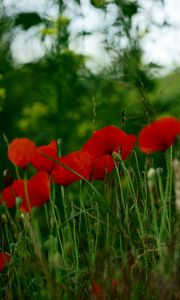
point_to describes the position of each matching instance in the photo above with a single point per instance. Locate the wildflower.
(4, 258)
(8, 197)
(159, 135)
(39, 189)
(33, 192)
(114, 283)
(102, 166)
(97, 292)
(42, 163)
(80, 162)
(104, 144)
(20, 151)
(110, 139)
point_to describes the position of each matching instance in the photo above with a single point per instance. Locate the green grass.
(125, 228)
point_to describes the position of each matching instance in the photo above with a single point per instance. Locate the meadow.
(89, 152)
(93, 224)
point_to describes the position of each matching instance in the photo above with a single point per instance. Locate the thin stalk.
(75, 242)
(133, 194)
(96, 238)
(126, 220)
(103, 205)
(168, 189)
(142, 186)
(37, 250)
(141, 233)
(154, 218)
(58, 226)
(165, 224)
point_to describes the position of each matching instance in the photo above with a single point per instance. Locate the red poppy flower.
(110, 139)
(33, 192)
(102, 166)
(159, 135)
(8, 197)
(42, 163)
(79, 161)
(97, 292)
(127, 145)
(39, 189)
(4, 258)
(19, 188)
(20, 151)
(114, 283)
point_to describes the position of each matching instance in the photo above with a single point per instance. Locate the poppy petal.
(4, 259)
(102, 166)
(39, 189)
(8, 197)
(159, 135)
(79, 161)
(20, 151)
(20, 190)
(96, 291)
(42, 163)
(33, 192)
(109, 139)
(103, 141)
(127, 145)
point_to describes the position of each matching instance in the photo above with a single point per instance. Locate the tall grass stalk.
(119, 229)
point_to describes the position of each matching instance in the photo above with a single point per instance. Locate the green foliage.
(56, 93)
(98, 3)
(27, 20)
(129, 9)
(121, 229)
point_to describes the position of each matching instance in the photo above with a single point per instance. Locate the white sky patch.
(27, 46)
(45, 7)
(91, 45)
(161, 44)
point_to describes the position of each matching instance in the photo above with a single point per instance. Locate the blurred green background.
(57, 95)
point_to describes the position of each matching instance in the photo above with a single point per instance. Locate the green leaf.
(27, 20)
(98, 3)
(129, 9)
